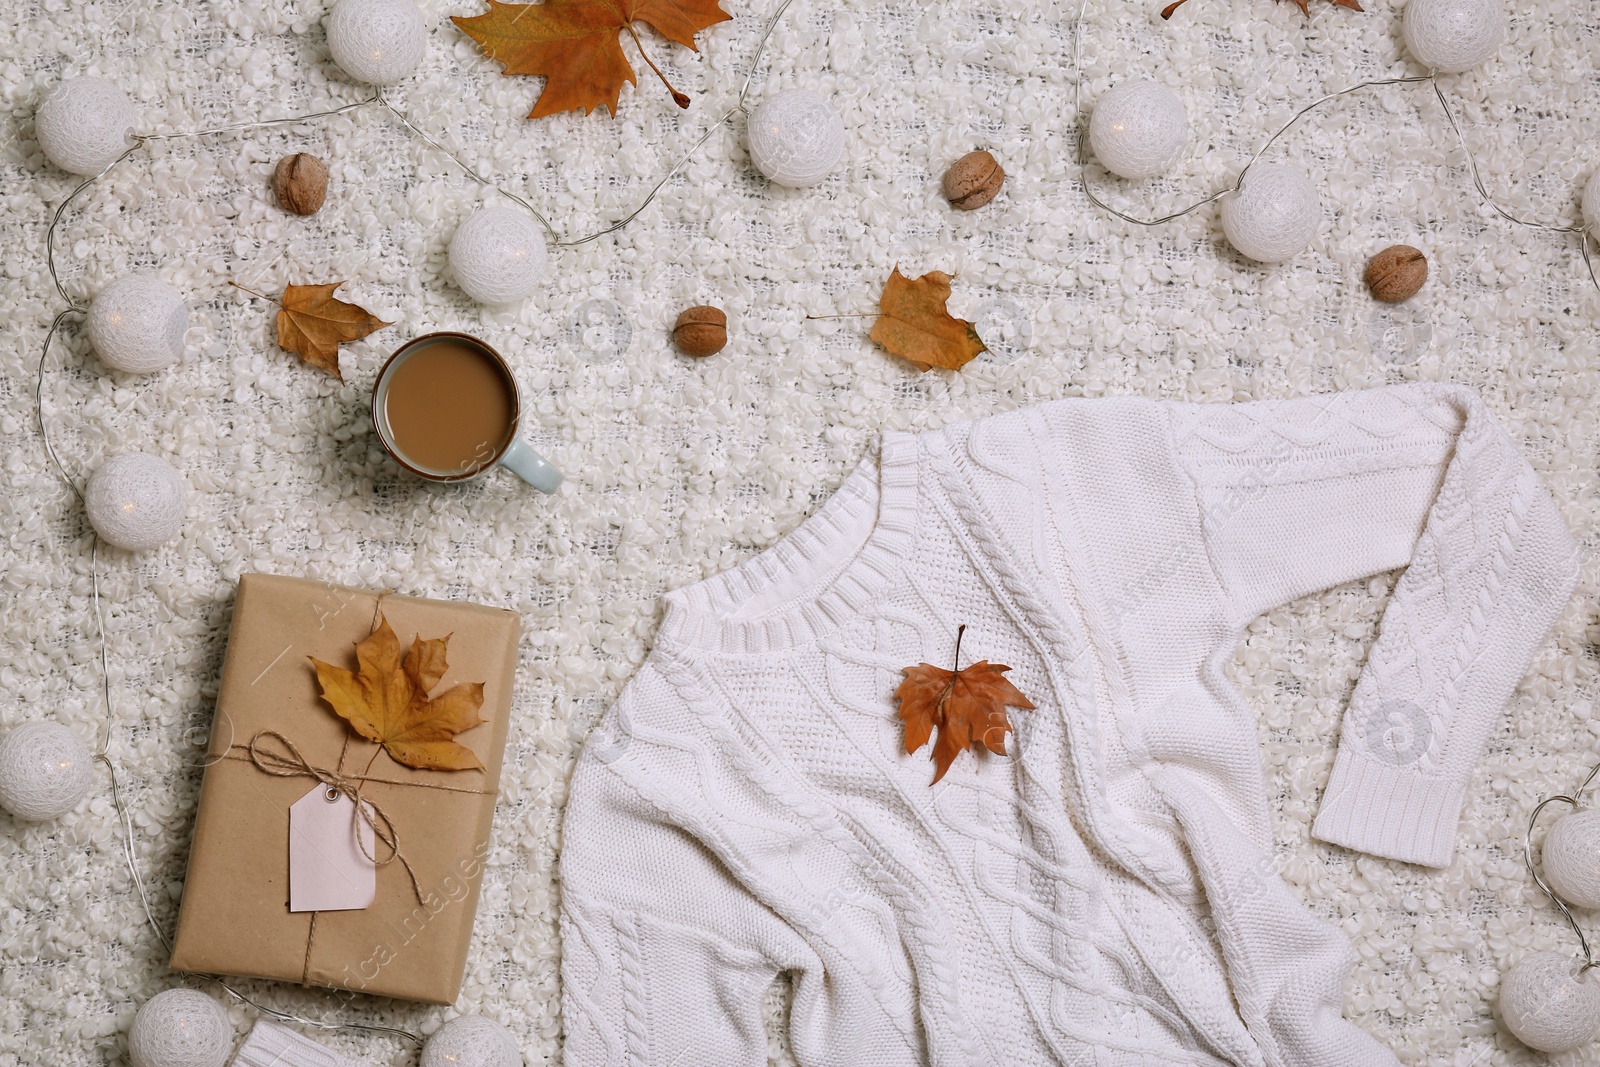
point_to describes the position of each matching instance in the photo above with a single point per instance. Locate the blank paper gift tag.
(328, 870)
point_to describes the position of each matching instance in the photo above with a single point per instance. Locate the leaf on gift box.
(1305, 6)
(312, 323)
(386, 701)
(914, 325)
(967, 706)
(576, 44)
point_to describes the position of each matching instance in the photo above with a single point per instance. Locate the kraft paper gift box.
(235, 917)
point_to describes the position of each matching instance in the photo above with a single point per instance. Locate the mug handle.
(531, 467)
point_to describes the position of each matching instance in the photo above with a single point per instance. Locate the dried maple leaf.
(968, 705)
(312, 323)
(914, 325)
(386, 701)
(577, 45)
(1305, 6)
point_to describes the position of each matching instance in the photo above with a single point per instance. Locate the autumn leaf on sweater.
(967, 705)
(577, 45)
(386, 700)
(312, 323)
(1305, 6)
(914, 325)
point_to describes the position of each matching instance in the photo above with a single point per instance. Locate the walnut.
(1396, 273)
(301, 182)
(973, 180)
(701, 331)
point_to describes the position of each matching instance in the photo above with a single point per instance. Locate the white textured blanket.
(677, 469)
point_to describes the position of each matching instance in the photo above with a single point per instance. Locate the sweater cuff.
(1389, 811)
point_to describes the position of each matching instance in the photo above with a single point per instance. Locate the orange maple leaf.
(968, 705)
(577, 45)
(913, 324)
(386, 701)
(313, 323)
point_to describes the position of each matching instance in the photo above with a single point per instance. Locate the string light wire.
(102, 754)
(1238, 184)
(1527, 859)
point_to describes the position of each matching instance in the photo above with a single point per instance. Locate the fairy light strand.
(1527, 858)
(128, 845)
(1238, 184)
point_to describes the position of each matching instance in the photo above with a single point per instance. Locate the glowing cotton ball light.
(377, 41)
(1274, 217)
(1572, 858)
(44, 771)
(796, 138)
(83, 125)
(471, 1041)
(180, 1028)
(1138, 129)
(136, 324)
(1548, 1005)
(498, 255)
(1451, 36)
(136, 501)
(1591, 203)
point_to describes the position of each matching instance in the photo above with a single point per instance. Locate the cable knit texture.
(1107, 894)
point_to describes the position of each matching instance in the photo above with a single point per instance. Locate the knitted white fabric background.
(677, 469)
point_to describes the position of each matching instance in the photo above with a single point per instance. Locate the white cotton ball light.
(83, 125)
(1571, 858)
(377, 41)
(1548, 1005)
(1274, 217)
(1138, 129)
(1451, 36)
(796, 138)
(136, 501)
(498, 255)
(137, 323)
(1591, 203)
(44, 771)
(471, 1041)
(180, 1028)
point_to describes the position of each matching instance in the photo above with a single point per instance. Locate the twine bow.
(290, 763)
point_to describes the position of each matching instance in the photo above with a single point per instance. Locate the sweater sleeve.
(666, 957)
(1300, 495)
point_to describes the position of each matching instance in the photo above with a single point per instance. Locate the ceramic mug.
(447, 408)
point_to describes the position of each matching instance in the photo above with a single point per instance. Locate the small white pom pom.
(1138, 129)
(377, 41)
(1591, 203)
(83, 125)
(136, 324)
(44, 771)
(1274, 217)
(1571, 858)
(471, 1041)
(796, 138)
(1451, 36)
(1548, 1005)
(180, 1028)
(498, 255)
(135, 501)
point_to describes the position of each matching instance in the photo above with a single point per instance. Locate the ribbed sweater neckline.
(869, 521)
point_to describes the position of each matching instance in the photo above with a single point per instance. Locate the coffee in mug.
(446, 407)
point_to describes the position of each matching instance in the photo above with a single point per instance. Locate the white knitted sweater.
(1105, 895)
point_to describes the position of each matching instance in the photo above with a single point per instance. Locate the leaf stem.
(681, 99)
(375, 751)
(959, 631)
(252, 292)
(852, 315)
